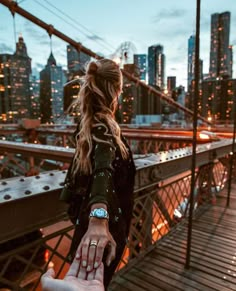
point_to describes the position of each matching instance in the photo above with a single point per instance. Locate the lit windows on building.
(220, 51)
(76, 61)
(140, 60)
(52, 78)
(217, 99)
(156, 66)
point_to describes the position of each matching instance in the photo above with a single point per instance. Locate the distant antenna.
(50, 43)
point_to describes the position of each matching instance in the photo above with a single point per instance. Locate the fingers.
(93, 246)
(47, 277)
(82, 274)
(79, 251)
(91, 253)
(99, 273)
(111, 252)
(49, 274)
(99, 253)
(74, 268)
(84, 249)
(91, 275)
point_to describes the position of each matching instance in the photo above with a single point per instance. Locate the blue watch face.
(100, 213)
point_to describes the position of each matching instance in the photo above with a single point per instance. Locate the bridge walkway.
(213, 255)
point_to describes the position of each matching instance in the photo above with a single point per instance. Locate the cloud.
(39, 66)
(40, 36)
(36, 68)
(174, 36)
(181, 48)
(175, 24)
(172, 59)
(5, 48)
(59, 52)
(169, 14)
(94, 37)
(205, 22)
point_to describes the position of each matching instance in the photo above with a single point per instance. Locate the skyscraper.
(231, 60)
(34, 97)
(140, 60)
(20, 78)
(76, 61)
(191, 58)
(128, 104)
(15, 83)
(52, 78)
(5, 87)
(217, 100)
(171, 83)
(191, 61)
(156, 67)
(220, 51)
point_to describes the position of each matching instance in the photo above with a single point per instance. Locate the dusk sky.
(103, 25)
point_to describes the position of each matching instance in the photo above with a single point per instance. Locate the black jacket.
(111, 182)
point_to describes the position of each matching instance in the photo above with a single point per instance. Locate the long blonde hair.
(97, 102)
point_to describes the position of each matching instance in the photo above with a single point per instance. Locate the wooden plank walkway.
(213, 255)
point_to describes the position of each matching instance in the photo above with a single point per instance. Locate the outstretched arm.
(98, 237)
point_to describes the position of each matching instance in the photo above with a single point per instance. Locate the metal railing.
(162, 189)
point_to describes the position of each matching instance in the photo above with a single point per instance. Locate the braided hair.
(97, 102)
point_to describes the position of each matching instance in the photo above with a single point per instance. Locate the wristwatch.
(99, 213)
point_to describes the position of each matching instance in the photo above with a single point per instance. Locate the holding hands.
(93, 244)
(76, 279)
(87, 270)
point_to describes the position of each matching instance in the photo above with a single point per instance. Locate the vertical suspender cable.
(195, 115)
(14, 27)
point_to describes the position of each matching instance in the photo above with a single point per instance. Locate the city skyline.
(173, 36)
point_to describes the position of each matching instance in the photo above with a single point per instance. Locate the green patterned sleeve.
(104, 154)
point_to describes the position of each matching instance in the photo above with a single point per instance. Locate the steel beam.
(159, 166)
(28, 203)
(37, 150)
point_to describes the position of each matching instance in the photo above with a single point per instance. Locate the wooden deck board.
(201, 278)
(203, 261)
(213, 255)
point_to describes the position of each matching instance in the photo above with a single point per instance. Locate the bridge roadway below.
(213, 255)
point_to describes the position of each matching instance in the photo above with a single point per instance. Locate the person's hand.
(76, 279)
(92, 246)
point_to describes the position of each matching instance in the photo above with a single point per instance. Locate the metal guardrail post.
(195, 116)
(231, 156)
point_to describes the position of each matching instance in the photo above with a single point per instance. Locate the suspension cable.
(106, 45)
(14, 26)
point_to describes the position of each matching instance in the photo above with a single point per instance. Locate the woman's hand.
(77, 278)
(94, 242)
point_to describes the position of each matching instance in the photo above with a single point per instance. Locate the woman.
(102, 172)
